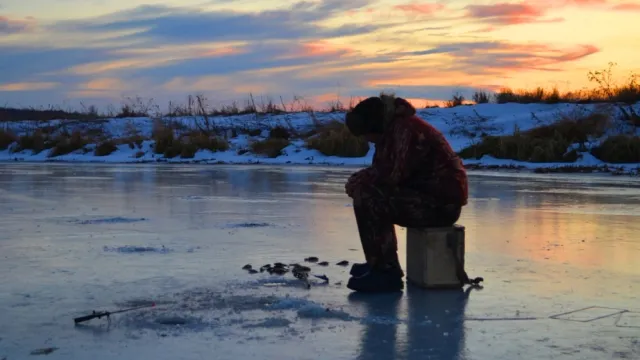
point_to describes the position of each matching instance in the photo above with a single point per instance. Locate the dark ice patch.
(137, 249)
(44, 351)
(140, 302)
(167, 322)
(274, 322)
(172, 320)
(247, 225)
(110, 220)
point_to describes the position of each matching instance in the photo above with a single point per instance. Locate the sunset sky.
(98, 51)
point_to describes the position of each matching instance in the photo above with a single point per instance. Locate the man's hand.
(349, 188)
(356, 179)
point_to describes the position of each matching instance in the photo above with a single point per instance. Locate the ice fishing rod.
(98, 315)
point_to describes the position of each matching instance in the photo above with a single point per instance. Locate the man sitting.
(415, 180)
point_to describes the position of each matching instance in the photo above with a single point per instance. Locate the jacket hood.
(375, 114)
(395, 107)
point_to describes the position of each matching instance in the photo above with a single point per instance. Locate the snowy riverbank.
(501, 119)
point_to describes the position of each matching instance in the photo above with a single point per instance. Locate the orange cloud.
(585, 2)
(626, 7)
(354, 12)
(28, 86)
(538, 57)
(420, 8)
(479, 63)
(221, 51)
(508, 13)
(535, 11)
(322, 48)
(105, 84)
(487, 29)
(105, 87)
(317, 48)
(597, 4)
(579, 53)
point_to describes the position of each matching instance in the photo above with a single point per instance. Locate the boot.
(378, 280)
(358, 270)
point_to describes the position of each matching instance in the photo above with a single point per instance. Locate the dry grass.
(457, 100)
(548, 143)
(606, 91)
(105, 148)
(207, 142)
(271, 147)
(36, 141)
(7, 138)
(164, 138)
(335, 139)
(191, 143)
(133, 138)
(576, 130)
(187, 145)
(280, 132)
(65, 143)
(481, 97)
(619, 149)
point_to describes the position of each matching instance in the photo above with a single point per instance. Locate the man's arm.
(392, 168)
(365, 175)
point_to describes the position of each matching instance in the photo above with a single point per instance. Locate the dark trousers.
(377, 210)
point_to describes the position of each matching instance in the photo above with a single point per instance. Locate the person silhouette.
(415, 180)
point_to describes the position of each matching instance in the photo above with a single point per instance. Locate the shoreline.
(627, 170)
(285, 139)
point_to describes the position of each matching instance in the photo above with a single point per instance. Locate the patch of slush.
(231, 311)
(227, 199)
(110, 220)
(316, 311)
(168, 322)
(137, 249)
(273, 322)
(139, 302)
(278, 281)
(241, 310)
(247, 225)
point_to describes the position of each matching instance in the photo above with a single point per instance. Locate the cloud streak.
(596, 5)
(420, 8)
(509, 13)
(12, 26)
(626, 7)
(27, 86)
(488, 57)
(164, 24)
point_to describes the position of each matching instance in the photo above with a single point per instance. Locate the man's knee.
(450, 214)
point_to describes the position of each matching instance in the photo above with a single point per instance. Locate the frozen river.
(77, 238)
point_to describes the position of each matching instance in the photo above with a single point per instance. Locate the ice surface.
(545, 244)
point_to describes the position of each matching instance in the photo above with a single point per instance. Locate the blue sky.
(97, 52)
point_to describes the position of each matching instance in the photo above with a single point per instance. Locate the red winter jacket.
(414, 154)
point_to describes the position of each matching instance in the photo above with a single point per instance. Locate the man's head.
(366, 119)
(370, 117)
